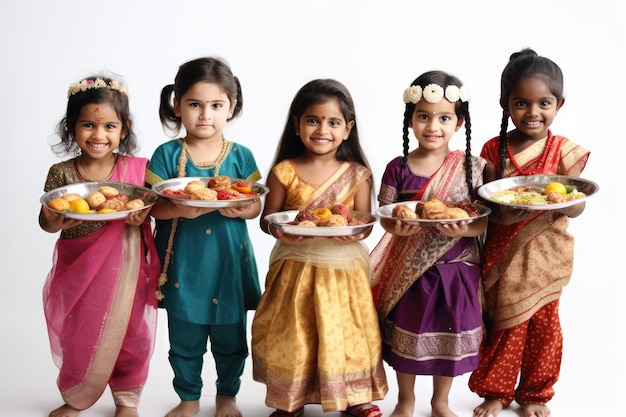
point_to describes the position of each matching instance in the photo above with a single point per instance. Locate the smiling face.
(204, 110)
(532, 107)
(98, 130)
(434, 124)
(322, 127)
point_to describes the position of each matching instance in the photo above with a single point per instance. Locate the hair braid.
(503, 128)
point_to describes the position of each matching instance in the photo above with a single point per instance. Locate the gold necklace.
(82, 175)
(207, 164)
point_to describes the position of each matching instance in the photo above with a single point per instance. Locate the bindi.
(98, 117)
(323, 116)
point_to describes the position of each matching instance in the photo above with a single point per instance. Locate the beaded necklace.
(216, 162)
(538, 162)
(182, 171)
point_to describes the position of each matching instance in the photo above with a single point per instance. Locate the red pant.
(532, 350)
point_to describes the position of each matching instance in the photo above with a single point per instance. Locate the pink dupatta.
(89, 296)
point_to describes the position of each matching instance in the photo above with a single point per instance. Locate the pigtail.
(239, 104)
(468, 151)
(408, 113)
(503, 140)
(166, 110)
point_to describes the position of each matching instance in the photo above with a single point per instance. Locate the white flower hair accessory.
(413, 94)
(85, 85)
(434, 93)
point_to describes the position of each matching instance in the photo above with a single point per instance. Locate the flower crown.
(85, 85)
(434, 93)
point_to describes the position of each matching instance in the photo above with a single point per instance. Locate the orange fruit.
(79, 205)
(107, 210)
(556, 186)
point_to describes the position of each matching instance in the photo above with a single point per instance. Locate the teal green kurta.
(212, 276)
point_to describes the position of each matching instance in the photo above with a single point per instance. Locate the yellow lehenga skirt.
(315, 334)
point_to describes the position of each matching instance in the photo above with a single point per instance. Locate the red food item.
(343, 210)
(176, 193)
(224, 195)
(242, 186)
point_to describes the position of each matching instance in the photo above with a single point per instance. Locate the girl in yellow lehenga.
(315, 335)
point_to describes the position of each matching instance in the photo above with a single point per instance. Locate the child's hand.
(136, 218)
(459, 228)
(52, 222)
(347, 239)
(287, 238)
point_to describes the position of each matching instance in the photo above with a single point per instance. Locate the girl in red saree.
(528, 255)
(99, 298)
(426, 279)
(315, 334)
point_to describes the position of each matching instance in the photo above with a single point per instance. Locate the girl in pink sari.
(99, 298)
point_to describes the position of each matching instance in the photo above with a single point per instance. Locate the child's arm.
(249, 211)
(164, 209)
(52, 222)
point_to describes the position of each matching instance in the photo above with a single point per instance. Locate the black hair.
(461, 109)
(66, 128)
(320, 91)
(522, 65)
(210, 70)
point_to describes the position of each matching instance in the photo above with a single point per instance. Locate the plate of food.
(210, 192)
(323, 222)
(538, 192)
(433, 212)
(99, 201)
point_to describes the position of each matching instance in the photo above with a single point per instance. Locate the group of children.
(464, 297)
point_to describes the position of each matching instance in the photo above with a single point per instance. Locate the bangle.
(269, 228)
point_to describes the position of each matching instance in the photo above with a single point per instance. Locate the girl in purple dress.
(426, 279)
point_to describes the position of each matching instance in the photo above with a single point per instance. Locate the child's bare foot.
(184, 409)
(404, 408)
(441, 409)
(535, 410)
(226, 407)
(126, 412)
(64, 411)
(489, 408)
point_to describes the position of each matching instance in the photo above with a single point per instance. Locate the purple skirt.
(436, 327)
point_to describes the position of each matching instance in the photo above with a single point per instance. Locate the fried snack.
(135, 204)
(204, 194)
(108, 191)
(70, 196)
(472, 209)
(117, 203)
(219, 183)
(343, 210)
(457, 213)
(305, 215)
(334, 220)
(96, 199)
(193, 186)
(434, 210)
(403, 212)
(59, 204)
(307, 223)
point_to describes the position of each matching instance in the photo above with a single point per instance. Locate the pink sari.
(100, 307)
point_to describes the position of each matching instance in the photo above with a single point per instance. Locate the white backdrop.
(274, 47)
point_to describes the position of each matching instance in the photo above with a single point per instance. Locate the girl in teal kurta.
(210, 279)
